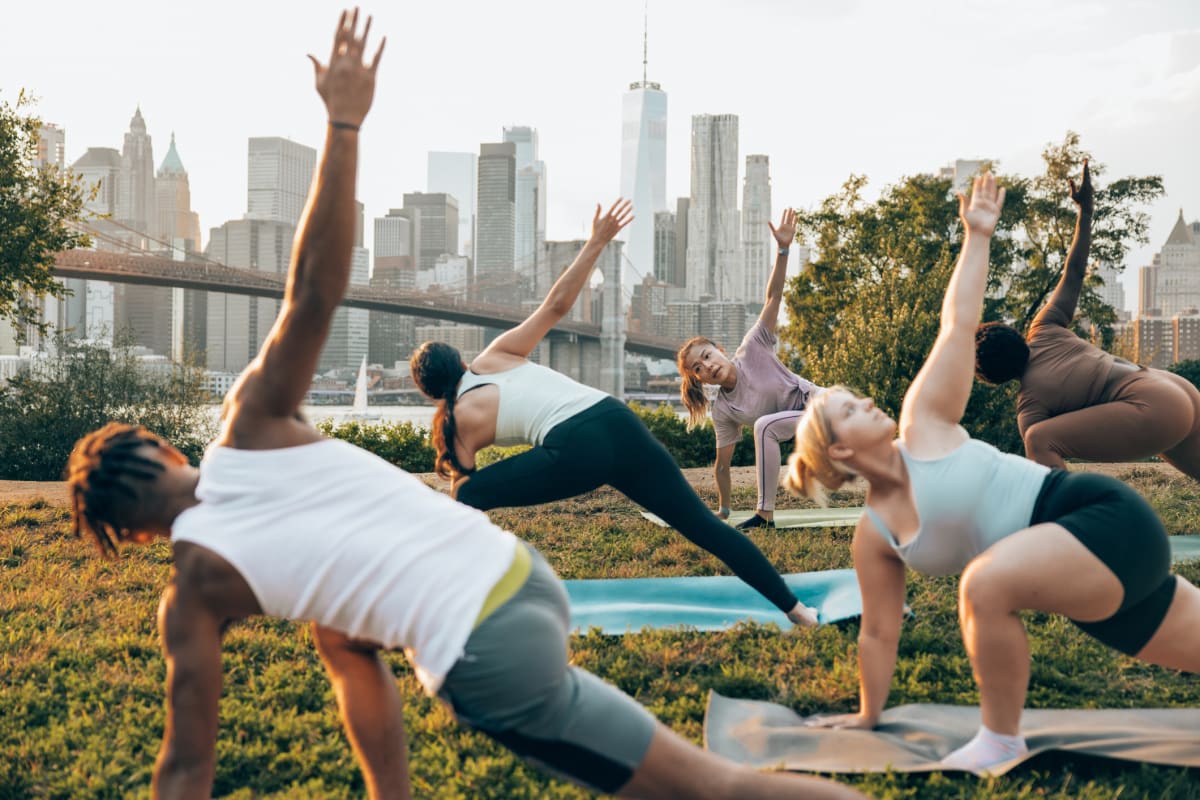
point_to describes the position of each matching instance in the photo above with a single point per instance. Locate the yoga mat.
(708, 603)
(791, 517)
(914, 738)
(1185, 547)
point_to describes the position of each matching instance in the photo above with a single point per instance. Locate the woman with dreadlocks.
(1076, 400)
(280, 521)
(753, 388)
(582, 438)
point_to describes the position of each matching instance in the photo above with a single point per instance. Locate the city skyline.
(1135, 111)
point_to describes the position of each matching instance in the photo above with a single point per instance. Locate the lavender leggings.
(769, 432)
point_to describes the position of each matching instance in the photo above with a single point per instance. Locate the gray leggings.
(514, 684)
(769, 431)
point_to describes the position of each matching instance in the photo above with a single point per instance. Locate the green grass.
(81, 675)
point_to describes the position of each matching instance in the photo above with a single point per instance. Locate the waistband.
(508, 585)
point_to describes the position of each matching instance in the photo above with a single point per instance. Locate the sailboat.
(359, 411)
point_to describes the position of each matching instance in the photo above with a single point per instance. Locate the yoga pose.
(943, 503)
(282, 522)
(582, 438)
(755, 389)
(1078, 401)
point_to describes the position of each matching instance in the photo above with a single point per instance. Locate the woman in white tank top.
(942, 503)
(582, 438)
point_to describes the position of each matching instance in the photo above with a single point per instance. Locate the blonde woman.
(755, 389)
(943, 503)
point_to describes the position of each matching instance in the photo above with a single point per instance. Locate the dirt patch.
(53, 492)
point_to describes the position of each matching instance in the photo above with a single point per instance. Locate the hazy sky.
(882, 88)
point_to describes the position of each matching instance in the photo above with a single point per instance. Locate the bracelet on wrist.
(344, 126)
(783, 251)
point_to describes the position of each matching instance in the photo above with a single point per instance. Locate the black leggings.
(1122, 530)
(608, 444)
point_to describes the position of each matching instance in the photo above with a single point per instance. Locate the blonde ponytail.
(811, 472)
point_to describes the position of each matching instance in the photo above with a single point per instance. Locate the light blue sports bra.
(966, 501)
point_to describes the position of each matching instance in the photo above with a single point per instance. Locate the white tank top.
(330, 533)
(533, 399)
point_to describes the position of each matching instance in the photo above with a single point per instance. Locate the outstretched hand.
(347, 85)
(981, 213)
(1083, 194)
(785, 234)
(604, 228)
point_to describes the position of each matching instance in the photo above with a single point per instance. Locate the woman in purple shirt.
(755, 389)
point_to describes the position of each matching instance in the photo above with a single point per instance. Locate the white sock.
(987, 749)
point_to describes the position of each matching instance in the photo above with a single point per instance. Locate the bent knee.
(984, 588)
(1041, 442)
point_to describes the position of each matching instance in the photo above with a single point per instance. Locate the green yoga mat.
(914, 738)
(707, 603)
(791, 517)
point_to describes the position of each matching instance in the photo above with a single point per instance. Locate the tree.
(866, 311)
(83, 385)
(38, 206)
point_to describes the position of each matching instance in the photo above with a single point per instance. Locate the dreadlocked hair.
(105, 473)
(691, 390)
(437, 369)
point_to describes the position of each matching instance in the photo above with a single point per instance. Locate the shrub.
(400, 443)
(82, 386)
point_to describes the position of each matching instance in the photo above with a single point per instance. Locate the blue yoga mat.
(1185, 547)
(705, 603)
(619, 605)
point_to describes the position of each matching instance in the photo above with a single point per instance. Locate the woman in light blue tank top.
(942, 503)
(582, 438)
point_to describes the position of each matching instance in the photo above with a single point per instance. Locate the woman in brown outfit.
(1076, 400)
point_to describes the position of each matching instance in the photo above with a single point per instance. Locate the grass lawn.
(81, 675)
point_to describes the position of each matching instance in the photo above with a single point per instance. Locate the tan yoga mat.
(791, 517)
(914, 738)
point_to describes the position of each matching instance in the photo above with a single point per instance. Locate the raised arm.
(521, 340)
(191, 638)
(274, 384)
(1060, 309)
(784, 235)
(938, 395)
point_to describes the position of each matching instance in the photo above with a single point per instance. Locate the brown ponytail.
(437, 369)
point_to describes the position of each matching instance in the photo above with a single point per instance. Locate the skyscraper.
(455, 174)
(89, 311)
(279, 174)
(665, 237)
(1178, 276)
(237, 325)
(391, 336)
(496, 221)
(714, 241)
(135, 195)
(143, 312)
(52, 147)
(530, 199)
(643, 168)
(434, 218)
(179, 227)
(349, 330)
(757, 242)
